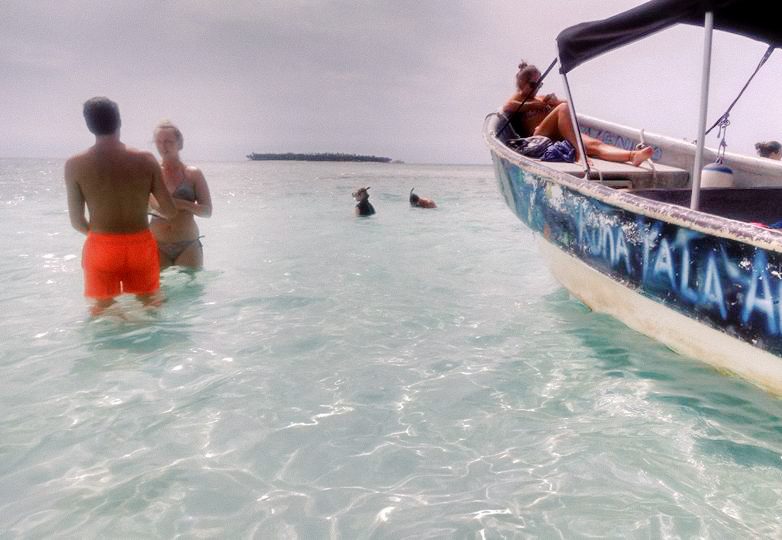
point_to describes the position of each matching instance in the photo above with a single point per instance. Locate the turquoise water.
(417, 374)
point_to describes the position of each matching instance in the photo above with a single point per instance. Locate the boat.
(670, 249)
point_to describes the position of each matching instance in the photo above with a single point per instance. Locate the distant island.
(327, 156)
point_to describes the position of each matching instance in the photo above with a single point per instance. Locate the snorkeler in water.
(364, 207)
(421, 202)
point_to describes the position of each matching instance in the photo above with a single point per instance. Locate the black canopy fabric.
(751, 18)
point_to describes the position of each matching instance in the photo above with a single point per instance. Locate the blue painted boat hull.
(723, 275)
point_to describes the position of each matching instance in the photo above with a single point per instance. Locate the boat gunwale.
(768, 239)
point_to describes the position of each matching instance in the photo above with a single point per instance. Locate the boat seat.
(625, 175)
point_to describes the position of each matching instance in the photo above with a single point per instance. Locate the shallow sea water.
(417, 374)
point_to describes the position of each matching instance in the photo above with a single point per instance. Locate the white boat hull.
(682, 334)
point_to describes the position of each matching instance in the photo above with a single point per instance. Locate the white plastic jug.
(717, 175)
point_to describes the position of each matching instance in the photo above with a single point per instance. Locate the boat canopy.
(751, 18)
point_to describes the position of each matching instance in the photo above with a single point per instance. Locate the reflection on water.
(128, 324)
(417, 374)
(747, 455)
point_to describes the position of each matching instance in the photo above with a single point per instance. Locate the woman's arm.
(534, 104)
(552, 100)
(202, 207)
(164, 204)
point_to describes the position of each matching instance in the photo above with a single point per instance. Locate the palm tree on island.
(326, 156)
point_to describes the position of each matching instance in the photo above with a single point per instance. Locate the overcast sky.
(407, 79)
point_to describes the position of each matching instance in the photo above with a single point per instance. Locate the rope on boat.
(724, 117)
(722, 134)
(640, 146)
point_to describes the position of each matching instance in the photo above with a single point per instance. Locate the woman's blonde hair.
(168, 124)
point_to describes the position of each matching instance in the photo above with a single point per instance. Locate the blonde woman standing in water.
(178, 238)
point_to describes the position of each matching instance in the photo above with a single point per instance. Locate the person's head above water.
(363, 206)
(769, 149)
(361, 194)
(413, 198)
(528, 78)
(102, 116)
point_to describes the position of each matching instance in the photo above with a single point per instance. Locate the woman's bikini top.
(184, 191)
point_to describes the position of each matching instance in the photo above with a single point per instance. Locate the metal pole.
(574, 120)
(697, 167)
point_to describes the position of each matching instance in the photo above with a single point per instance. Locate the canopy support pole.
(574, 121)
(697, 166)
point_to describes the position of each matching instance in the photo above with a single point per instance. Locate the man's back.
(120, 253)
(115, 183)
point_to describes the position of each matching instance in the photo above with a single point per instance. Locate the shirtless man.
(421, 202)
(120, 254)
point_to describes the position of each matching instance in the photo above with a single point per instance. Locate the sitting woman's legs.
(600, 150)
(558, 125)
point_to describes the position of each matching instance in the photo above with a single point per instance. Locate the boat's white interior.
(624, 175)
(748, 171)
(753, 192)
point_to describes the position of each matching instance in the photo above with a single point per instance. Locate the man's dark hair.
(102, 116)
(765, 149)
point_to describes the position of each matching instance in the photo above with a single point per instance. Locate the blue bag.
(560, 151)
(533, 147)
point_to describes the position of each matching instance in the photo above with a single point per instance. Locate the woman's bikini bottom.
(173, 250)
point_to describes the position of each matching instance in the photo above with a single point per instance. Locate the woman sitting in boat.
(770, 149)
(530, 115)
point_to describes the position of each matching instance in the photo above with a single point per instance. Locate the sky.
(408, 79)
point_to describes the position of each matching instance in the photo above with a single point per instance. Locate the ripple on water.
(413, 375)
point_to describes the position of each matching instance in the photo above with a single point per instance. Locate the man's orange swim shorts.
(114, 263)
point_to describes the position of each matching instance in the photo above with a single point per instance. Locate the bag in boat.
(560, 151)
(533, 147)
